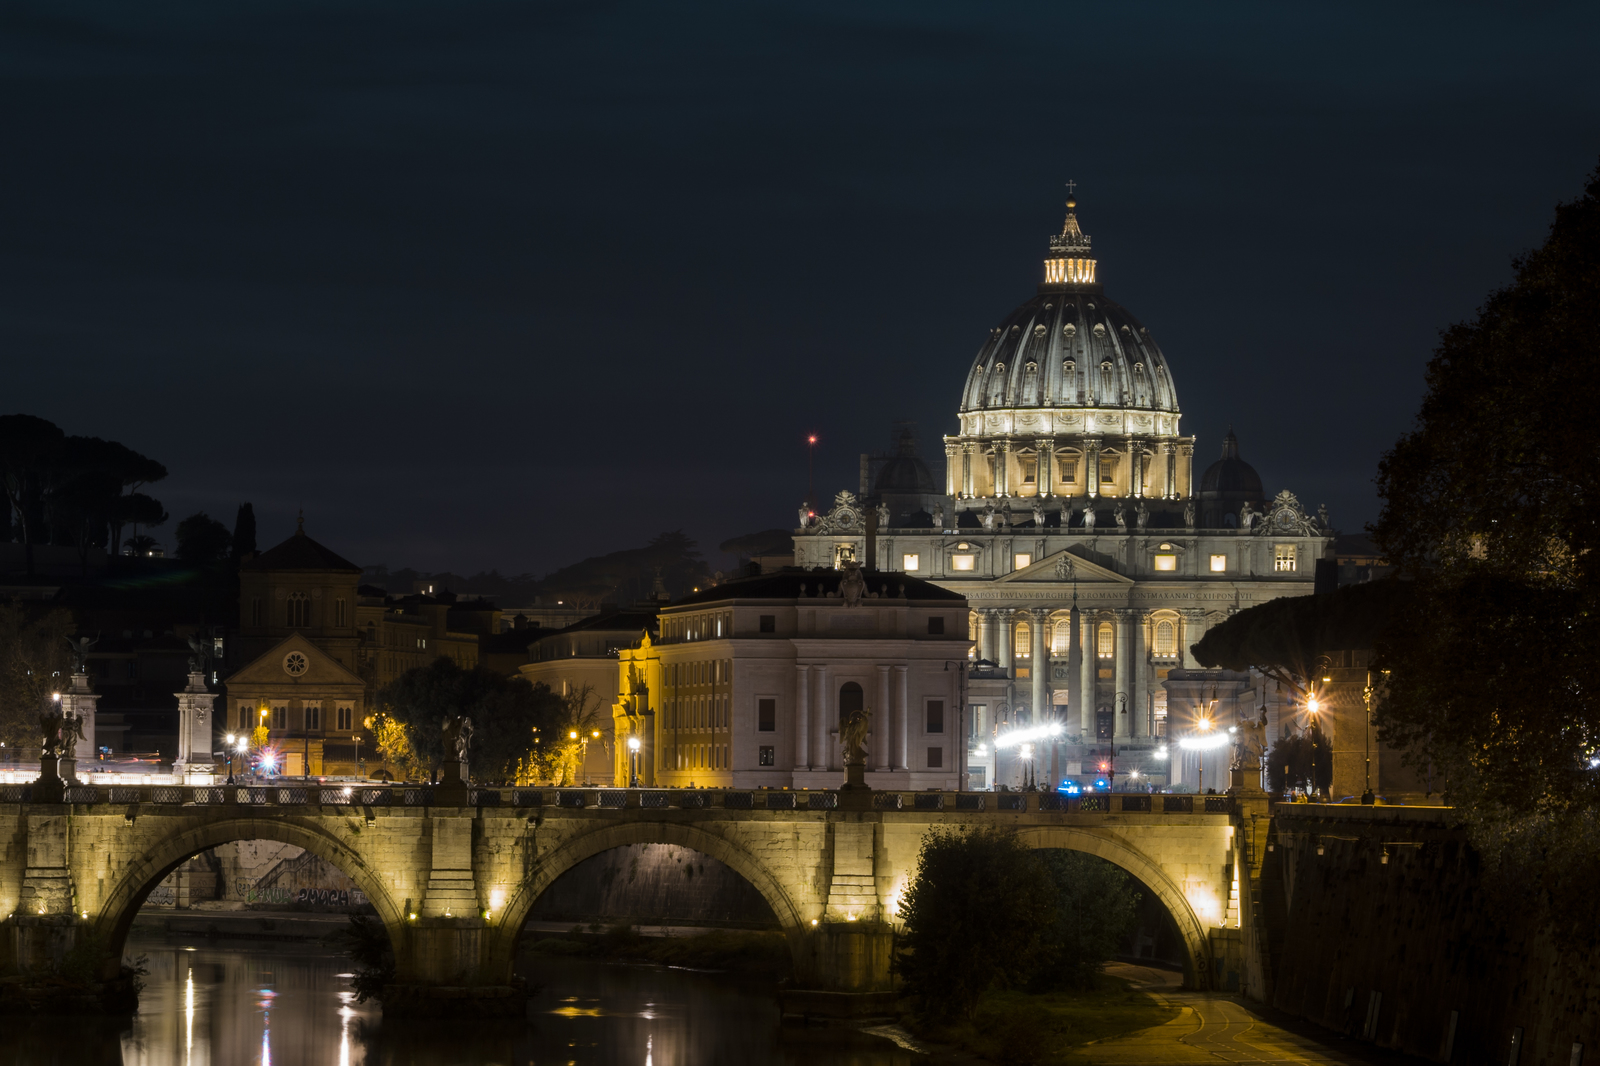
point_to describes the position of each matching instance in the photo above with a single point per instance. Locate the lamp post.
(1366, 697)
(1313, 706)
(229, 750)
(633, 761)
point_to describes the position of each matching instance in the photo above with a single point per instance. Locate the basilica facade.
(1071, 521)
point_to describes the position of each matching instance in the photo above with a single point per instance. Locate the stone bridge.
(453, 874)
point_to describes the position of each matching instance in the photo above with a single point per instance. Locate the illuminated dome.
(1070, 396)
(1070, 347)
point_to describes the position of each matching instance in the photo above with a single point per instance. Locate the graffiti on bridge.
(251, 892)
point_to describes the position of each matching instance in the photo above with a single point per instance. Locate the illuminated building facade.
(749, 681)
(1070, 520)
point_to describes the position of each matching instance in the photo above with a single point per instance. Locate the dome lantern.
(1070, 262)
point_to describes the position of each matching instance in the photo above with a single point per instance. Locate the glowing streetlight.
(633, 761)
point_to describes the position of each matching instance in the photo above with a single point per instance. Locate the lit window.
(1219, 564)
(1166, 640)
(1166, 562)
(1105, 640)
(1024, 645)
(1063, 638)
(1283, 558)
(1022, 559)
(1108, 471)
(1069, 471)
(911, 561)
(1028, 475)
(961, 562)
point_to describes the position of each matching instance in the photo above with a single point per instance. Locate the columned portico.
(1122, 698)
(1039, 629)
(883, 718)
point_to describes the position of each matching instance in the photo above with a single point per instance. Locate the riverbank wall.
(1382, 927)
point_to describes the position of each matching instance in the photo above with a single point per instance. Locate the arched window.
(850, 700)
(1030, 380)
(1166, 640)
(1024, 644)
(1105, 380)
(299, 610)
(1063, 638)
(997, 384)
(1105, 641)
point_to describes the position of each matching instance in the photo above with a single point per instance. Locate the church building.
(1071, 521)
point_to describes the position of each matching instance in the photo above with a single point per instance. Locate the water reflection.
(240, 1003)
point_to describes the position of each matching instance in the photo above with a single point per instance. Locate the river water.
(230, 1003)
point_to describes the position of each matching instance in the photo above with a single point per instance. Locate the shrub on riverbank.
(742, 951)
(1043, 1029)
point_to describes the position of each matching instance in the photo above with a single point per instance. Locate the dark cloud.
(504, 284)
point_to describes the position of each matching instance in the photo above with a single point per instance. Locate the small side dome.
(1226, 484)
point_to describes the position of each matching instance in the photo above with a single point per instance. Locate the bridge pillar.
(847, 972)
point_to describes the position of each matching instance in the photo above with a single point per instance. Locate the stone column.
(1041, 663)
(1091, 468)
(882, 724)
(1074, 668)
(1002, 469)
(1088, 674)
(902, 724)
(194, 726)
(1194, 627)
(985, 633)
(966, 475)
(1002, 651)
(1172, 471)
(1135, 467)
(1045, 475)
(1186, 468)
(821, 752)
(951, 470)
(1138, 681)
(802, 718)
(1120, 688)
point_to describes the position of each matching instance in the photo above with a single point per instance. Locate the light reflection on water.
(237, 1003)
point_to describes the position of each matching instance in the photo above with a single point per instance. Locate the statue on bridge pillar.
(853, 740)
(456, 734)
(60, 734)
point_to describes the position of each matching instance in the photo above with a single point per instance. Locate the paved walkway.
(1212, 1029)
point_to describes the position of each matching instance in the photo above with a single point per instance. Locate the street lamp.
(633, 762)
(1313, 706)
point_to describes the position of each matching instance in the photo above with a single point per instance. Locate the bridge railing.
(358, 795)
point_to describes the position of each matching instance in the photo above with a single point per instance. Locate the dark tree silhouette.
(244, 532)
(202, 539)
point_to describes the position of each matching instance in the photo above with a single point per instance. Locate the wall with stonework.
(1389, 951)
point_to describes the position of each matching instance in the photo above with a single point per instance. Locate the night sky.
(507, 284)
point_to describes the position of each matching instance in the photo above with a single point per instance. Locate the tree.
(1289, 763)
(67, 490)
(972, 914)
(202, 539)
(506, 712)
(244, 532)
(1490, 504)
(34, 660)
(1096, 908)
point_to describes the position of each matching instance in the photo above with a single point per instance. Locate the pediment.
(321, 668)
(1063, 567)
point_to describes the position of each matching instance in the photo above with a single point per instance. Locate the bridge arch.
(121, 904)
(570, 853)
(1190, 929)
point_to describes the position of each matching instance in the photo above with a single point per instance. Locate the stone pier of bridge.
(453, 883)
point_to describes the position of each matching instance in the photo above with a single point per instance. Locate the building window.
(280, 716)
(936, 716)
(1283, 558)
(1166, 562)
(935, 758)
(961, 562)
(1069, 471)
(313, 717)
(1029, 477)
(1024, 641)
(299, 610)
(255, 611)
(1219, 564)
(1166, 640)
(766, 755)
(936, 626)
(247, 717)
(1063, 638)
(1108, 471)
(1105, 641)
(345, 715)
(911, 562)
(767, 716)
(769, 623)
(1022, 560)
(338, 612)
